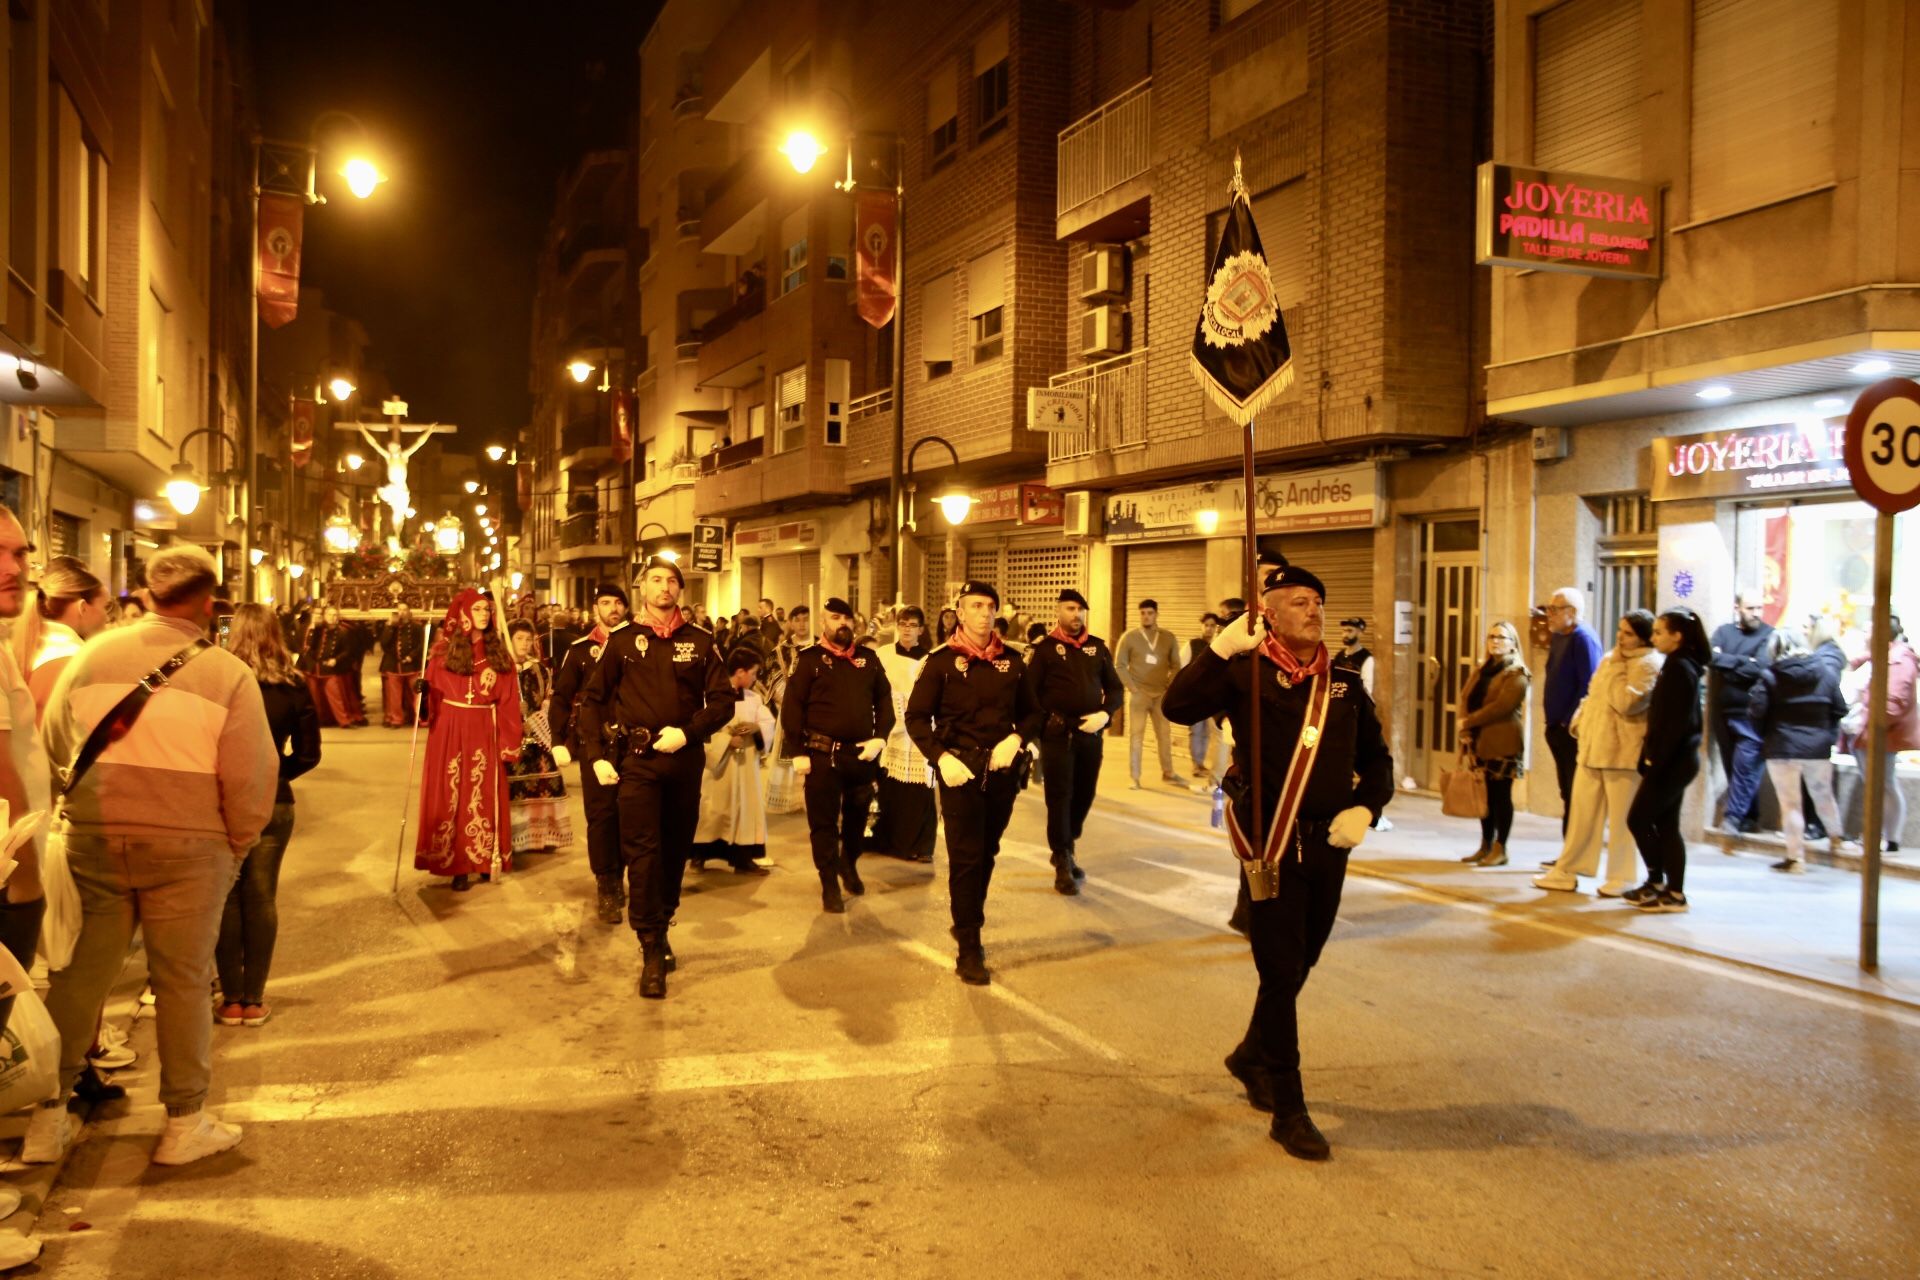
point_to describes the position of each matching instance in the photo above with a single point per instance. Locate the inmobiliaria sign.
(1575, 222)
(1751, 462)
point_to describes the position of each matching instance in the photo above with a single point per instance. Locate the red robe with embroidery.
(466, 827)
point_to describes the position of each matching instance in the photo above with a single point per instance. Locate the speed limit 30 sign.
(1883, 445)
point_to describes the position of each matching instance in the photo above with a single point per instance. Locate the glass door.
(1447, 627)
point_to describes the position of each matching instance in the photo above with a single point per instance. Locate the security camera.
(29, 380)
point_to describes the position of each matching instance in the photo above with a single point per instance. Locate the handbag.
(1463, 790)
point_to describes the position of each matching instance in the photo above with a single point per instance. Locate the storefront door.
(1447, 626)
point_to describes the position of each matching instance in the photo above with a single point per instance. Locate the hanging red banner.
(622, 409)
(300, 431)
(525, 483)
(279, 250)
(876, 219)
(1773, 568)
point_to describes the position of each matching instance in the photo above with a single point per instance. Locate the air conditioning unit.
(1079, 515)
(1103, 331)
(1549, 444)
(1103, 272)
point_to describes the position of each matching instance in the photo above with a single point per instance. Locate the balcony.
(586, 439)
(606, 242)
(1104, 184)
(734, 455)
(1116, 391)
(675, 476)
(765, 483)
(589, 535)
(870, 437)
(752, 300)
(734, 209)
(733, 343)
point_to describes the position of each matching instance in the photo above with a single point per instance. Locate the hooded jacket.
(1611, 722)
(1796, 708)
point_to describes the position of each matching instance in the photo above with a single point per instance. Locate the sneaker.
(1561, 881)
(1175, 781)
(256, 1015)
(194, 1137)
(1791, 866)
(17, 1251)
(1611, 890)
(230, 1014)
(50, 1131)
(1667, 902)
(111, 1051)
(1634, 897)
(9, 1200)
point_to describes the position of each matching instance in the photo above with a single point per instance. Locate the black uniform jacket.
(400, 644)
(1673, 716)
(648, 681)
(1351, 744)
(326, 650)
(570, 684)
(1069, 682)
(970, 704)
(847, 699)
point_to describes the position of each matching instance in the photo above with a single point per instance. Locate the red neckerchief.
(992, 651)
(1291, 666)
(828, 645)
(665, 631)
(1060, 634)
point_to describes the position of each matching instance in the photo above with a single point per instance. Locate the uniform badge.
(1309, 736)
(1281, 676)
(1060, 648)
(1001, 664)
(960, 665)
(594, 652)
(1339, 689)
(683, 651)
(859, 662)
(642, 640)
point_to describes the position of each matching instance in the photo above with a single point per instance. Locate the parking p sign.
(709, 539)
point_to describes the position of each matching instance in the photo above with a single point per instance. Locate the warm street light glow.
(353, 461)
(338, 536)
(954, 505)
(449, 536)
(411, 513)
(362, 176)
(479, 508)
(802, 150)
(183, 490)
(471, 486)
(495, 452)
(257, 555)
(579, 370)
(669, 555)
(516, 578)
(296, 570)
(1207, 521)
(340, 389)
(1872, 368)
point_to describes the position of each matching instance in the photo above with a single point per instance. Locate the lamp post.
(183, 488)
(955, 503)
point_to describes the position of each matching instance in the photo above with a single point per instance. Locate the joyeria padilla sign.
(1752, 461)
(1574, 222)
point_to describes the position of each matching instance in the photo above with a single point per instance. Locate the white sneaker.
(17, 1251)
(194, 1137)
(114, 1052)
(1560, 880)
(9, 1200)
(50, 1131)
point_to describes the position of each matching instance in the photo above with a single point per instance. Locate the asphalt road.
(466, 1085)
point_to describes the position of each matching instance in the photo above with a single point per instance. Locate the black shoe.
(850, 877)
(1063, 881)
(830, 900)
(748, 867)
(460, 884)
(1073, 865)
(1893, 846)
(971, 963)
(1744, 826)
(1300, 1136)
(1642, 893)
(94, 1089)
(1254, 1077)
(610, 902)
(653, 971)
(921, 857)
(1816, 829)
(667, 959)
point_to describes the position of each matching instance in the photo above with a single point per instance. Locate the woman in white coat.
(733, 816)
(1609, 726)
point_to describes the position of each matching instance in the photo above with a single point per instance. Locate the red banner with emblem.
(876, 220)
(525, 478)
(279, 258)
(621, 407)
(1776, 534)
(300, 431)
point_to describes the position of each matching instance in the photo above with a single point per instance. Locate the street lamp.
(362, 176)
(338, 536)
(449, 535)
(954, 501)
(183, 489)
(479, 508)
(353, 461)
(579, 370)
(495, 452)
(471, 486)
(341, 389)
(802, 150)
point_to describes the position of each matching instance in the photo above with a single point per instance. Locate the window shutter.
(936, 320)
(1281, 216)
(1586, 88)
(991, 48)
(943, 98)
(793, 228)
(986, 282)
(1764, 87)
(791, 387)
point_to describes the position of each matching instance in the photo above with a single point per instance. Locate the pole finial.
(1238, 187)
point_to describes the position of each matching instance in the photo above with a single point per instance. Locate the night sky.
(475, 108)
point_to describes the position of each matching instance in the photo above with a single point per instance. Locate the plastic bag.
(61, 927)
(30, 1047)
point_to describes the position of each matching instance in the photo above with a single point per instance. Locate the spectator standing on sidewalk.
(1200, 736)
(1796, 708)
(158, 825)
(1669, 761)
(1903, 726)
(1572, 655)
(250, 923)
(1739, 656)
(1493, 727)
(1147, 659)
(69, 607)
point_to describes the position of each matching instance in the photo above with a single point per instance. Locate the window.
(991, 84)
(986, 304)
(756, 421)
(1231, 9)
(793, 253)
(76, 198)
(1765, 76)
(1586, 88)
(839, 238)
(1627, 574)
(160, 153)
(943, 116)
(936, 325)
(790, 403)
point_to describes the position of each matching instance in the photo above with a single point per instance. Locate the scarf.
(837, 652)
(1290, 666)
(663, 630)
(1060, 634)
(995, 646)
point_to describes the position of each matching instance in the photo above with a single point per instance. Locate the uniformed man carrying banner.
(836, 714)
(1071, 678)
(602, 803)
(1321, 734)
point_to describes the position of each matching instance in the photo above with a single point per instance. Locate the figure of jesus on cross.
(395, 449)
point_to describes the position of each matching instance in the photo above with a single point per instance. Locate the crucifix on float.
(395, 450)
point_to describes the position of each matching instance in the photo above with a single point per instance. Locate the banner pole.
(1251, 555)
(413, 756)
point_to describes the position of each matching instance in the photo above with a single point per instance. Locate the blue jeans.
(1745, 768)
(250, 923)
(1199, 736)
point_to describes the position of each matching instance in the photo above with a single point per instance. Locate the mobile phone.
(223, 630)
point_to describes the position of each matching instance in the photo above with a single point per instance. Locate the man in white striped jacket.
(157, 828)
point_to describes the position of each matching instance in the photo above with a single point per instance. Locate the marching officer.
(971, 714)
(658, 693)
(1071, 678)
(402, 642)
(837, 712)
(1325, 775)
(603, 803)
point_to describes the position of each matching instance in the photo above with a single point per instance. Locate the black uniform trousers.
(659, 802)
(1069, 772)
(603, 826)
(1288, 932)
(976, 818)
(838, 797)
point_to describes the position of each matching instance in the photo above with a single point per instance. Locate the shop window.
(790, 404)
(1586, 87)
(992, 83)
(1627, 573)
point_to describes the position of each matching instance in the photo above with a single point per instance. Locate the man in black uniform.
(972, 715)
(1071, 678)
(1319, 734)
(837, 713)
(602, 803)
(401, 662)
(659, 692)
(1354, 655)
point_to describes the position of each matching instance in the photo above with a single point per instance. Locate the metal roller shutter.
(934, 598)
(785, 579)
(983, 565)
(1344, 562)
(1586, 88)
(1175, 577)
(1765, 86)
(1036, 575)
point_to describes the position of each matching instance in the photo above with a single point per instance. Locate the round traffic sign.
(1883, 445)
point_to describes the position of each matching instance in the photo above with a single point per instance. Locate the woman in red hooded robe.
(466, 826)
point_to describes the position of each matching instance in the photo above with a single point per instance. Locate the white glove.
(605, 774)
(953, 772)
(872, 747)
(1349, 827)
(1094, 721)
(802, 766)
(562, 756)
(1004, 751)
(669, 740)
(1241, 635)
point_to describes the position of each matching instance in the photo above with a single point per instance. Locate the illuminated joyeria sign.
(1574, 222)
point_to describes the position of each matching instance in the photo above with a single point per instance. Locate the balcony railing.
(751, 302)
(590, 529)
(584, 432)
(1101, 150)
(1116, 391)
(733, 455)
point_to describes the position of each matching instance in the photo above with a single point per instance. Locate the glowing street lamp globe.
(802, 150)
(183, 489)
(362, 176)
(580, 370)
(341, 389)
(954, 504)
(495, 452)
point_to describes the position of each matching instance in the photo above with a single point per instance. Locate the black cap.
(608, 589)
(1071, 595)
(979, 589)
(1358, 624)
(661, 562)
(1294, 576)
(835, 604)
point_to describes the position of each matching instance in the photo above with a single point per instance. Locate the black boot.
(610, 901)
(1073, 865)
(1292, 1127)
(653, 968)
(1063, 881)
(850, 877)
(667, 959)
(830, 900)
(459, 884)
(1250, 1072)
(972, 962)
